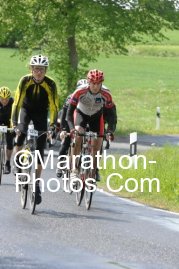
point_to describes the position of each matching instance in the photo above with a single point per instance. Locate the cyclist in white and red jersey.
(90, 102)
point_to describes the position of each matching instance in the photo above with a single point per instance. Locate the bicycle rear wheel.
(24, 191)
(68, 171)
(79, 194)
(1, 164)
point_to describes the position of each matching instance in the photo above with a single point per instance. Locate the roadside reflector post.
(158, 118)
(133, 144)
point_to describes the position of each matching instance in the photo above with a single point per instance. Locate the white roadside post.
(133, 144)
(158, 118)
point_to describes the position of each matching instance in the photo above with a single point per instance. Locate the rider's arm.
(53, 101)
(73, 101)
(63, 115)
(109, 111)
(111, 119)
(19, 96)
(70, 119)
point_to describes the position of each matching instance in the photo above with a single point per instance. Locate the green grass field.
(166, 170)
(11, 68)
(139, 82)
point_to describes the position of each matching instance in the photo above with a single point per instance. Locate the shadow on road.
(23, 263)
(55, 214)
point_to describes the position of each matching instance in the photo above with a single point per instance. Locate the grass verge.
(165, 176)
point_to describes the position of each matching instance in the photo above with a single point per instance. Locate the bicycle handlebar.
(92, 135)
(5, 129)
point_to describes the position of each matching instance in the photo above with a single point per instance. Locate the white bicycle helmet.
(82, 83)
(39, 60)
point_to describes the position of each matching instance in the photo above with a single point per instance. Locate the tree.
(74, 32)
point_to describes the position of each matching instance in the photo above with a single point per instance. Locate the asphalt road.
(121, 144)
(115, 233)
(144, 142)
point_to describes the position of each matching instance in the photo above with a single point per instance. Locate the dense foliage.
(74, 32)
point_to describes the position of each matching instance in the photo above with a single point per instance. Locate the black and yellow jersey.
(5, 112)
(35, 98)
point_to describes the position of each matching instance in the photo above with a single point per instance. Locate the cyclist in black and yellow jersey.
(6, 102)
(36, 94)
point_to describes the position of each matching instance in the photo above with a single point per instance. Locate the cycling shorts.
(40, 124)
(95, 122)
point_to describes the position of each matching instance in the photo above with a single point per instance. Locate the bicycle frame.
(28, 151)
(3, 131)
(86, 172)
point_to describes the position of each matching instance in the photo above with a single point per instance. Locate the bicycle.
(66, 171)
(86, 174)
(26, 155)
(3, 131)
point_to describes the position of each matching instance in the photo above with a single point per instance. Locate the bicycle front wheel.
(88, 198)
(89, 189)
(69, 190)
(1, 164)
(32, 198)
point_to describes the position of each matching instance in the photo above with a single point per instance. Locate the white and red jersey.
(90, 103)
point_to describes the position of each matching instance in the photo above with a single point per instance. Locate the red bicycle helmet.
(95, 76)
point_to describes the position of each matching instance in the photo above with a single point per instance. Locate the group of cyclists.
(36, 95)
